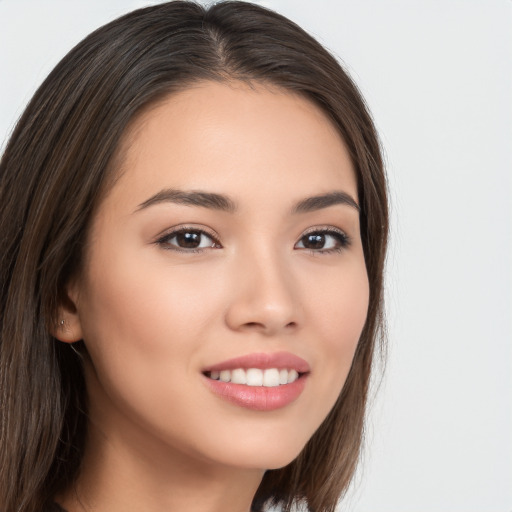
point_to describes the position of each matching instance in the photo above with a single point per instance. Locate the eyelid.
(163, 238)
(323, 229)
(344, 239)
(169, 233)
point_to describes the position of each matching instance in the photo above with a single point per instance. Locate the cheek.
(340, 307)
(345, 310)
(147, 311)
(145, 327)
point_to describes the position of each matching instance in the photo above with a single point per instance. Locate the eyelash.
(342, 239)
(164, 241)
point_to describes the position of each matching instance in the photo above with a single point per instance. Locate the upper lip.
(279, 360)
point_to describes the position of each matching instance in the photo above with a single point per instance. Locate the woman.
(194, 222)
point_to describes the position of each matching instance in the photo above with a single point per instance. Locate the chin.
(259, 453)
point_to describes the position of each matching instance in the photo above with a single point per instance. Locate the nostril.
(268, 327)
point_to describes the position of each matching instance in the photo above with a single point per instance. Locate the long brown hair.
(54, 170)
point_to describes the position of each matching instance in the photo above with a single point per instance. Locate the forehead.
(233, 135)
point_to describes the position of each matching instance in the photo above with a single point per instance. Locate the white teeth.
(225, 375)
(269, 378)
(292, 376)
(254, 377)
(238, 376)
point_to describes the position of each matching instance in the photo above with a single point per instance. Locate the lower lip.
(258, 398)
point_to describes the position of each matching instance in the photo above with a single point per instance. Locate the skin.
(153, 317)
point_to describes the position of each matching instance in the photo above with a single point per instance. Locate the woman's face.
(228, 250)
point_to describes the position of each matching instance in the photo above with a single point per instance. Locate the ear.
(68, 328)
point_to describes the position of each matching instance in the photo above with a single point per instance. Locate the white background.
(437, 75)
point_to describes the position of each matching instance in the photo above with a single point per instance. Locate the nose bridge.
(265, 296)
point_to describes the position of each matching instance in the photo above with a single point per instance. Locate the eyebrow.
(191, 198)
(221, 202)
(321, 201)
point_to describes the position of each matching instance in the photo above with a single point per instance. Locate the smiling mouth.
(269, 377)
(259, 381)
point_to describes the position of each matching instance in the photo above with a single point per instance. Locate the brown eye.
(188, 239)
(323, 241)
(313, 241)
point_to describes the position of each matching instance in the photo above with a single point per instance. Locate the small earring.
(62, 322)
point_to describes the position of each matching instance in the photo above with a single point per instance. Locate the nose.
(265, 298)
